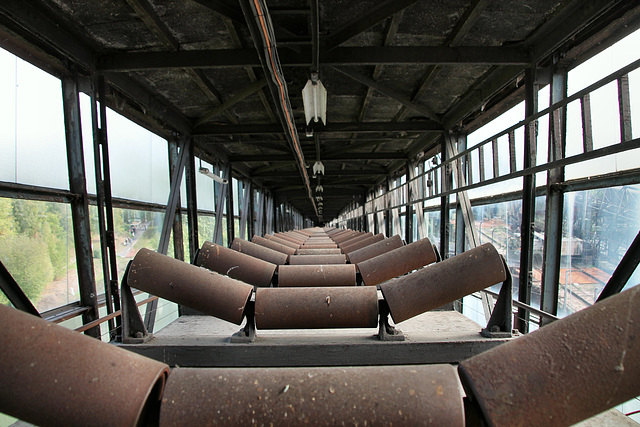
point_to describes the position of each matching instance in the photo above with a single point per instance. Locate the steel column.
(408, 219)
(178, 243)
(555, 199)
(221, 194)
(230, 214)
(192, 203)
(444, 202)
(79, 204)
(528, 201)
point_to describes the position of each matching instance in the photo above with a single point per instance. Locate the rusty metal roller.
(271, 244)
(52, 376)
(375, 249)
(346, 236)
(282, 241)
(564, 372)
(316, 308)
(370, 240)
(186, 284)
(316, 275)
(355, 239)
(397, 262)
(366, 395)
(258, 251)
(320, 246)
(235, 264)
(290, 238)
(317, 259)
(332, 251)
(446, 281)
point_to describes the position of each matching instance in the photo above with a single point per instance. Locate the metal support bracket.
(500, 323)
(133, 329)
(248, 333)
(387, 332)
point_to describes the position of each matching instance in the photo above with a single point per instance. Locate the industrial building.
(322, 212)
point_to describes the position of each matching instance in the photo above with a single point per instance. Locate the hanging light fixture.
(314, 97)
(216, 178)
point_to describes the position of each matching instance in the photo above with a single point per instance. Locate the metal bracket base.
(133, 329)
(500, 323)
(248, 333)
(387, 332)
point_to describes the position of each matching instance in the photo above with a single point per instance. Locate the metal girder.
(365, 21)
(14, 293)
(624, 270)
(328, 173)
(79, 205)
(147, 13)
(288, 158)
(370, 55)
(360, 127)
(245, 93)
(391, 93)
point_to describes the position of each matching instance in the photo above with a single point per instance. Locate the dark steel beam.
(328, 173)
(391, 93)
(370, 55)
(360, 127)
(147, 13)
(288, 158)
(79, 205)
(624, 270)
(243, 94)
(365, 21)
(192, 202)
(14, 293)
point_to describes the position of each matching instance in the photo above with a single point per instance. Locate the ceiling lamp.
(318, 168)
(314, 97)
(319, 189)
(216, 178)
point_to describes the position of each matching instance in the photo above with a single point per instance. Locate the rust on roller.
(258, 251)
(361, 243)
(397, 262)
(316, 308)
(322, 251)
(186, 284)
(368, 395)
(346, 236)
(355, 239)
(317, 259)
(446, 281)
(282, 241)
(271, 244)
(235, 264)
(54, 376)
(375, 249)
(319, 246)
(290, 238)
(316, 275)
(565, 372)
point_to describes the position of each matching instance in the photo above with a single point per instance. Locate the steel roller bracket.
(500, 324)
(247, 334)
(133, 329)
(386, 331)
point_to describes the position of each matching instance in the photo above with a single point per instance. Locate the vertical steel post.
(221, 195)
(444, 201)
(555, 198)
(192, 202)
(408, 220)
(251, 229)
(460, 223)
(99, 134)
(528, 201)
(178, 243)
(79, 204)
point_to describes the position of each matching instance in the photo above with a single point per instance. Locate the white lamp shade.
(314, 97)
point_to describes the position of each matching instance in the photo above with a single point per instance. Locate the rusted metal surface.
(258, 251)
(355, 239)
(316, 308)
(282, 241)
(304, 251)
(361, 243)
(52, 376)
(316, 275)
(195, 287)
(235, 264)
(397, 262)
(565, 372)
(320, 246)
(371, 395)
(272, 244)
(293, 239)
(375, 249)
(346, 236)
(440, 283)
(317, 259)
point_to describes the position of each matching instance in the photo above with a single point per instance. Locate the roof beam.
(276, 128)
(145, 11)
(245, 93)
(367, 20)
(288, 158)
(391, 93)
(286, 176)
(377, 55)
